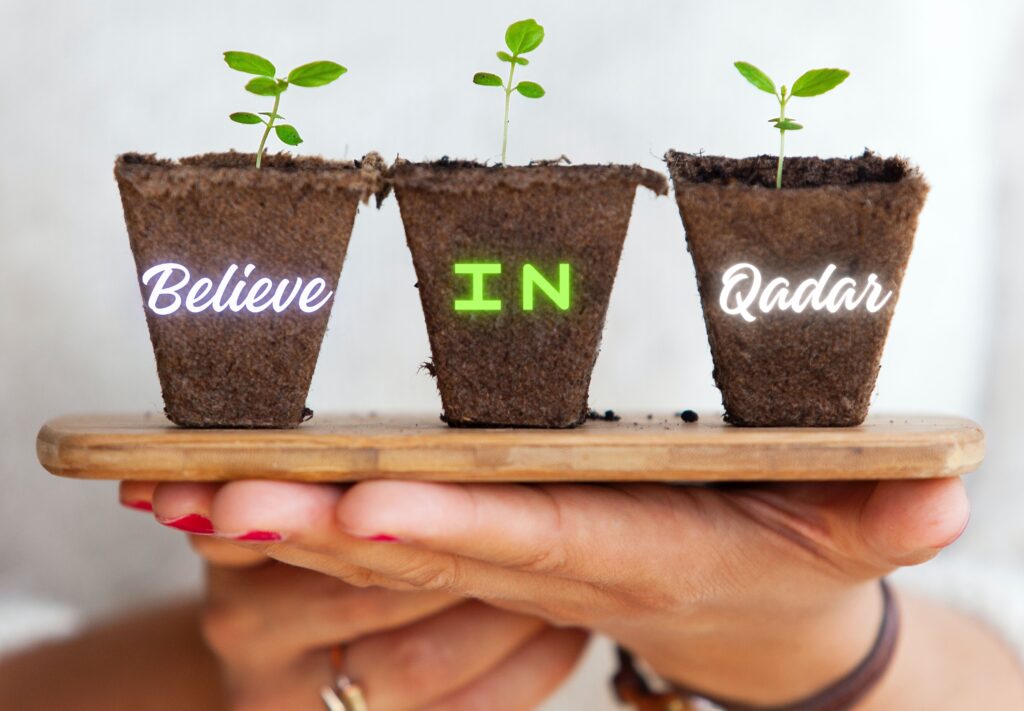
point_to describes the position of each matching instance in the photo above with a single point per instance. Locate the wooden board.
(662, 448)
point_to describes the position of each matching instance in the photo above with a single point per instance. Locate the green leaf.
(487, 79)
(506, 57)
(245, 117)
(524, 36)
(530, 89)
(270, 114)
(818, 81)
(787, 125)
(316, 73)
(249, 63)
(288, 134)
(755, 76)
(264, 86)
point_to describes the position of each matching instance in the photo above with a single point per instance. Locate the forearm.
(947, 660)
(943, 659)
(154, 660)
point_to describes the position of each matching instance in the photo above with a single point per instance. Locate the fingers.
(305, 517)
(519, 535)
(470, 654)
(410, 667)
(646, 542)
(185, 507)
(512, 526)
(561, 550)
(598, 534)
(277, 519)
(264, 618)
(137, 495)
(275, 516)
(524, 679)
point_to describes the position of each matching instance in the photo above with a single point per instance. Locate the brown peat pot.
(239, 349)
(511, 366)
(798, 285)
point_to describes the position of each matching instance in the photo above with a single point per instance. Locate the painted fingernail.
(259, 536)
(381, 538)
(190, 523)
(138, 505)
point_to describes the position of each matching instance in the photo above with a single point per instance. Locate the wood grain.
(663, 448)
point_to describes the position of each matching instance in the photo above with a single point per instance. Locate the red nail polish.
(138, 505)
(382, 538)
(259, 536)
(191, 523)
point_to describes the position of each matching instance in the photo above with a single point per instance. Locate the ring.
(343, 694)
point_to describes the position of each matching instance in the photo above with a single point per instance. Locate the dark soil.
(291, 219)
(813, 368)
(811, 172)
(689, 416)
(516, 368)
(606, 416)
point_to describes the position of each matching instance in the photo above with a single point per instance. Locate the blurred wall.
(85, 81)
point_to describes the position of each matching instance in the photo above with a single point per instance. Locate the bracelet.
(633, 689)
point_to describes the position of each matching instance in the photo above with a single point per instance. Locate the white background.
(84, 81)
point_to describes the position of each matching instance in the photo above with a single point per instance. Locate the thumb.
(909, 522)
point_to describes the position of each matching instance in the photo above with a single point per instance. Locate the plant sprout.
(266, 84)
(811, 83)
(520, 38)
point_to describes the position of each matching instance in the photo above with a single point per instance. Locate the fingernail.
(190, 523)
(138, 505)
(381, 538)
(259, 536)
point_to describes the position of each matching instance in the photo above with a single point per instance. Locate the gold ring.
(343, 694)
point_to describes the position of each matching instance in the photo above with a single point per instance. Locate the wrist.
(769, 658)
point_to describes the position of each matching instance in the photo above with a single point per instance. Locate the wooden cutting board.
(636, 448)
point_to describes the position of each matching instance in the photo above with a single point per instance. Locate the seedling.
(521, 38)
(267, 84)
(811, 83)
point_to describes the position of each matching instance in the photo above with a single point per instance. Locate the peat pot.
(798, 285)
(515, 269)
(238, 267)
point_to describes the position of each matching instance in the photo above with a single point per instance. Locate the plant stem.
(782, 151)
(270, 124)
(782, 140)
(508, 100)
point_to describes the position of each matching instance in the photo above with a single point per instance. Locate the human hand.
(764, 593)
(272, 625)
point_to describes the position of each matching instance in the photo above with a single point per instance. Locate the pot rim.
(155, 176)
(881, 171)
(471, 176)
(281, 162)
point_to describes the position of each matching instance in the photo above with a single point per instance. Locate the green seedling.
(521, 38)
(267, 84)
(811, 83)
